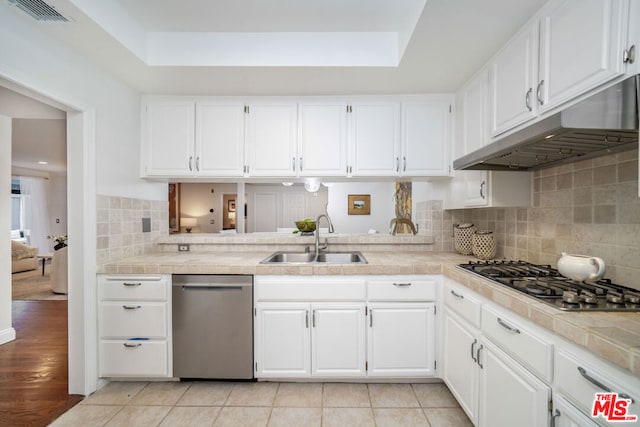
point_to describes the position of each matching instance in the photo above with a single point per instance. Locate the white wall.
(103, 156)
(382, 206)
(58, 203)
(7, 333)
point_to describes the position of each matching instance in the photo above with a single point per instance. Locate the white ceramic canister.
(581, 267)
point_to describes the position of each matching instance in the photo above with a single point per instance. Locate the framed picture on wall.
(359, 204)
(231, 205)
(174, 207)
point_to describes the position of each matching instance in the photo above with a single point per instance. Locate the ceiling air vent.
(39, 10)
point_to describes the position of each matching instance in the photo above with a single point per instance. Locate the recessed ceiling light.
(41, 162)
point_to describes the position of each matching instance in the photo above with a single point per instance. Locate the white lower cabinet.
(509, 394)
(401, 339)
(347, 327)
(492, 387)
(134, 325)
(302, 340)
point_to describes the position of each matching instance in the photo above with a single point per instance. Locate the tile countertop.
(613, 336)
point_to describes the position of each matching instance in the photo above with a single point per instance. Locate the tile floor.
(209, 403)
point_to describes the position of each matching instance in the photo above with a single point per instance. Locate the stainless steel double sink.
(309, 258)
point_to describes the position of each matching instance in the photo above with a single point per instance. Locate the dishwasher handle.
(198, 287)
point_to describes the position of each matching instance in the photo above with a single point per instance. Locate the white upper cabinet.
(425, 138)
(581, 46)
(220, 138)
(271, 139)
(168, 138)
(322, 138)
(474, 96)
(374, 138)
(569, 48)
(513, 74)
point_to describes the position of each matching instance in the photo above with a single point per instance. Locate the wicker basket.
(484, 244)
(462, 238)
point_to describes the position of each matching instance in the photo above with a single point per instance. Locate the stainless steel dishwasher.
(212, 326)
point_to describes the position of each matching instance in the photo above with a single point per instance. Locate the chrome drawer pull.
(508, 327)
(127, 345)
(473, 344)
(600, 385)
(401, 285)
(131, 307)
(129, 284)
(478, 356)
(456, 295)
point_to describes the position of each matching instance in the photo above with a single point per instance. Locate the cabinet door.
(581, 46)
(338, 340)
(477, 188)
(474, 112)
(322, 136)
(401, 340)
(566, 415)
(509, 394)
(271, 139)
(374, 139)
(282, 340)
(168, 138)
(460, 369)
(513, 73)
(425, 138)
(219, 138)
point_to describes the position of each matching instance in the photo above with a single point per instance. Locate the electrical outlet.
(183, 248)
(213, 221)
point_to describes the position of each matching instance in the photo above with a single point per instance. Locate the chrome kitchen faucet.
(318, 247)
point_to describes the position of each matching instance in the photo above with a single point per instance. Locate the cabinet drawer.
(580, 381)
(131, 320)
(134, 287)
(463, 304)
(510, 336)
(402, 290)
(135, 359)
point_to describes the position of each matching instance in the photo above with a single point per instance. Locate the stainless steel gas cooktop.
(547, 285)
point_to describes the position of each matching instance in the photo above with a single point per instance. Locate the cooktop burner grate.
(546, 284)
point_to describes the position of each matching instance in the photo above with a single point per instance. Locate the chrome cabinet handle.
(539, 92)
(127, 345)
(600, 385)
(131, 307)
(371, 318)
(397, 164)
(404, 167)
(293, 164)
(306, 319)
(527, 99)
(456, 295)
(198, 164)
(190, 163)
(478, 356)
(554, 415)
(129, 284)
(629, 55)
(313, 318)
(482, 184)
(300, 164)
(401, 285)
(508, 327)
(473, 344)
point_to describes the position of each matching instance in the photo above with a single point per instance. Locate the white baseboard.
(7, 335)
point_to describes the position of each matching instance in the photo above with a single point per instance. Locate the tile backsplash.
(588, 207)
(120, 226)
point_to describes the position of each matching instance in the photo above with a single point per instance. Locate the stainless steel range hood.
(604, 123)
